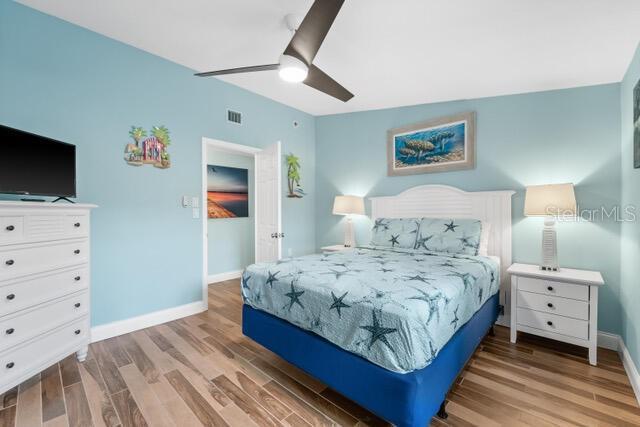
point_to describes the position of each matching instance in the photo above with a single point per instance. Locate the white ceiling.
(388, 53)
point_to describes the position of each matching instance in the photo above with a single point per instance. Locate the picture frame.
(442, 144)
(636, 126)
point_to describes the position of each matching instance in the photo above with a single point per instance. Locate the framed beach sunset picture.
(227, 192)
(436, 145)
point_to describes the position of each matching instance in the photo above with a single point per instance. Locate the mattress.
(394, 307)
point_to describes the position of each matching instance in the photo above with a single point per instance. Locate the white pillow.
(484, 238)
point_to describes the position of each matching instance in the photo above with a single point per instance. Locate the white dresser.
(561, 305)
(44, 286)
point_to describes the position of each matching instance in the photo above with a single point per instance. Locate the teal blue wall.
(630, 233)
(231, 240)
(548, 137)
(71, 84)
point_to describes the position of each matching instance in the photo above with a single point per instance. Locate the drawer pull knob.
(77, 305)
(10, 228)
(550, 288)
(10, 365)
(550, 305)
(10, 331)
(11, 296)
(77, 332)
(77, 278)
(9, 262)
(77, 251)
(550, 323)
(76, 225)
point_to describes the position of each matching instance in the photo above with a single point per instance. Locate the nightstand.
(561, 305)
(335, 248)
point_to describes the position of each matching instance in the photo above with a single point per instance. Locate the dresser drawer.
(554, 305)
(550, 287)
(35, 258)
(11, 229)
(21, 293)
(34, 321)
(554, 323)
(16, 228)
(35, 355)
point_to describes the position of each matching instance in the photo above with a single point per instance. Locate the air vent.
(234, 117)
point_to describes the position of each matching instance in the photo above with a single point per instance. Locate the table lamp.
(348, 205)
(550, 201)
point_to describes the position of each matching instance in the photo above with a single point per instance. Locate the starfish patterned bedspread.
(395, 307)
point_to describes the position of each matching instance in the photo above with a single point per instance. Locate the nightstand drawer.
(553, 323)
(550, 287)
(554, 305)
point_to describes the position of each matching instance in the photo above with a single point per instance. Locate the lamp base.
(549, 246)
(349, 235)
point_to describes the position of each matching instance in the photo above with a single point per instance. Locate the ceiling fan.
(296, 62)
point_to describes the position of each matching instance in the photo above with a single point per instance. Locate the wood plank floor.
(201, 371)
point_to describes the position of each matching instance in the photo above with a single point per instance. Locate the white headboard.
(443, 201)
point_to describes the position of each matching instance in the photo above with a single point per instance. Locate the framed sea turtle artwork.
(437, 145)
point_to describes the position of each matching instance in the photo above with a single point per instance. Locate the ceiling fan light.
(292, 69)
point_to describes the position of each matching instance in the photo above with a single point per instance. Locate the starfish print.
(294, 296)
(245, 280)
(272, 278)
(466, 242)
(432, 302)
(451, 227)
(380, 224)
(338, 303)
(432, 350)
(337, 273)
(378, 332)
(479, 295)
(417, 277)
(394, 240)
(455, 320)
(422, 242)
(466, 278)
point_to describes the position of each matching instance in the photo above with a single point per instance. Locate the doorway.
(264, 200)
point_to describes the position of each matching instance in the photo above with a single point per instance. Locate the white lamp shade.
(348, 205)
(550, 200)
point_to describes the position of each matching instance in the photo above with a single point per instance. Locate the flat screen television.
(35, 165)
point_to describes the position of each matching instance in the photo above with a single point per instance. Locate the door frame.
(233, 148)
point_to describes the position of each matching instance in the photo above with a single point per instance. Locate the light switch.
(196, 213)
(186, 201)
(195, 202)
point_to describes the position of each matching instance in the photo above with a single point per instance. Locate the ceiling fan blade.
(239, 70)
(314, 28)
(319, 80)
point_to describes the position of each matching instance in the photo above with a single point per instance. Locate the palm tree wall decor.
(293, 176)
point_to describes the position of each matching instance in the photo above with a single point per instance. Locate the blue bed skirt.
(405, 400)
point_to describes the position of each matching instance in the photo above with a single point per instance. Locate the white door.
(268, 216)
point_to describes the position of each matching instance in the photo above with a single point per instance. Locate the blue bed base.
(406, 400)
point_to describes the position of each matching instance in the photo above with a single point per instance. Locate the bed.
(388, 327)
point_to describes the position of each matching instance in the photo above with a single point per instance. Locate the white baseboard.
(221, 277)
(615, 342)
(609, 341)
(630, 367)
(121, 327)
